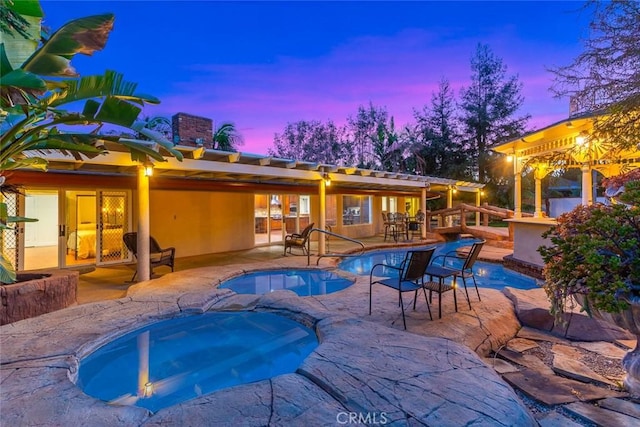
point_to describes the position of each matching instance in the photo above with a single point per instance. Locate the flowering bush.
(595, 253)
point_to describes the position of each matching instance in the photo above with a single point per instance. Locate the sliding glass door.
(277, 215)
(42, 238)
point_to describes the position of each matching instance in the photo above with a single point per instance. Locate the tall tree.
(227, 138)
(366, 130)
(440, 150)
(313, 141)
(489, 106)
(605, 77)
(387, 147)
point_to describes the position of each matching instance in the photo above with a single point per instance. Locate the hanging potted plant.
(594, 261)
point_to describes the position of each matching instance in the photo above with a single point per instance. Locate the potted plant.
(594, 261)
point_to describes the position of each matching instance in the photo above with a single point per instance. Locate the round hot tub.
(304, 282)
(175, 360)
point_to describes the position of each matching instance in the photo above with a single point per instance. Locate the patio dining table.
(399, 226)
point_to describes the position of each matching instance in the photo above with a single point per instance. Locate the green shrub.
(595, 253)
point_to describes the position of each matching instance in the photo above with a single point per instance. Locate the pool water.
(488, 275)
(304, 282)
(179, 359)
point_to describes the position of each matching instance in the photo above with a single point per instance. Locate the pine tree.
(313, 141)
(489, 106)
(441, 150)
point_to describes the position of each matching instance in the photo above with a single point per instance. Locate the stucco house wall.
(197, 222)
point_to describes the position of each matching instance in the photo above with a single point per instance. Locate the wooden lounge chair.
(157, 255)
(296, 240)
(410, 278)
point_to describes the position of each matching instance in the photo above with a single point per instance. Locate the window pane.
(356, 210)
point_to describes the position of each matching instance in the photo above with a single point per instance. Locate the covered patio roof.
(200, 164)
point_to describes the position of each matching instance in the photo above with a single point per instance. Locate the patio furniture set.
(442, 272)
(398, 225)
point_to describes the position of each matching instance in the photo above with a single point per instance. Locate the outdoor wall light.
(327, 179)
(510, 158)
(581, 139)
(148, 169)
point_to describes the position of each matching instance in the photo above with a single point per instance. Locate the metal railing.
(330, 233)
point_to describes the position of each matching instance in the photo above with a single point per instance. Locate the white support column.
(423, 208)
(517, 189)
(538, 197)
(323, 217)
(144, 261)
(477, 205)
(587, 185)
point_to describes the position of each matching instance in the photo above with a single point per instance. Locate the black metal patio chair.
(444, 270)
(410, 278)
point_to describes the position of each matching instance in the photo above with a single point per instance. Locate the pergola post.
(144, 261)
(537, 213)
(323, 216)
(587, 185)
(517, 189)
(478, 194)
(541, 170)
(423, 208)
(449, 205)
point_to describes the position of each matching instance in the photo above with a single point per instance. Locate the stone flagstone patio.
(365, 365)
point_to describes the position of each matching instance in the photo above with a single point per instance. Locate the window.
(389, 204)
(356, 210)
(304, 205)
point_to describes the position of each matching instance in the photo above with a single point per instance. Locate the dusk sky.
(264, 64)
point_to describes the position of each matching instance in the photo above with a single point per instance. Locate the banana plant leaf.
(16, 83)
(140, 152)
(110, 84)
(84, 35)
(7, 272)
(27, 162)
(26, 7)
(157, 137)
(114, 111)
(21, 28)
(11, 219)
(6, 219)
(23, 80)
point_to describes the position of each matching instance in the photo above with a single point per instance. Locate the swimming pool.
(488, 275)
(175, 360)
(304, 282)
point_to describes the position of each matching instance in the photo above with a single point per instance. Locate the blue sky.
(264, 64)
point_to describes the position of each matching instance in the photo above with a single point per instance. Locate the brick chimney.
(193, 131)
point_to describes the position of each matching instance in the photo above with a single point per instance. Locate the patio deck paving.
(371, 350)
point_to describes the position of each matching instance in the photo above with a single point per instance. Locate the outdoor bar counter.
(527, 238)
